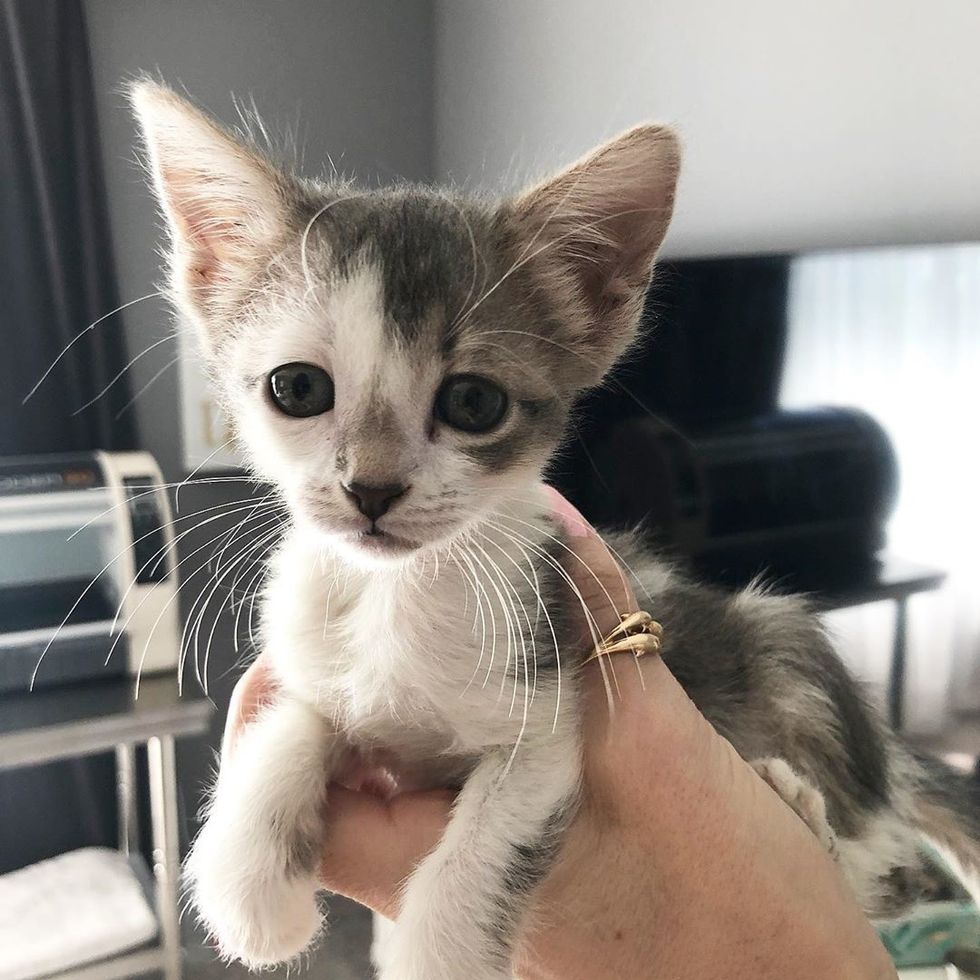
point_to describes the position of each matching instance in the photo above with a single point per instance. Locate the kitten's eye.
(301, 390)
(471, 403)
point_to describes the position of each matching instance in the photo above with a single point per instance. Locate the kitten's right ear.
(223, 203)
(593, 232)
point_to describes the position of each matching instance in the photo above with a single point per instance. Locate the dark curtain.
(56, 266)
(56, 277)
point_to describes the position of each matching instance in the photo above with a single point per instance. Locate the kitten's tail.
(946, 811)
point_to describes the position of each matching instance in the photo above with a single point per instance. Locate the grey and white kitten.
(401, 364)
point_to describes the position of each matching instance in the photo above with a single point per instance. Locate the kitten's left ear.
(224, 204)
(594, 231)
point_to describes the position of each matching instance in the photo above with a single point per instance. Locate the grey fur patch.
(421, 242)
(497, 455)
(762, 671)
(301, 850)
(539, 416)
(453, 287)
(533, 858)
(530, 862)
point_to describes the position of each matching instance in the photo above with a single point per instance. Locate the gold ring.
(637, 633)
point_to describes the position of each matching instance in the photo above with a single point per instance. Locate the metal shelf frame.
(109, 717)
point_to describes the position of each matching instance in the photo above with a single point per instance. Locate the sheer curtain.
(897, 333)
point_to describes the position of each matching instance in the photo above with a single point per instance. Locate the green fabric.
(926, 933)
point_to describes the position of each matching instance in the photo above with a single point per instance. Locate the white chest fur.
(433, 660)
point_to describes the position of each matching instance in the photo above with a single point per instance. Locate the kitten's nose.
(373, 501)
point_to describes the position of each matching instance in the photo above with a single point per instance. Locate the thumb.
(373, 845)
(605, 591)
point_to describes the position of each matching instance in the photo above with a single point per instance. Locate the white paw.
(252, 910)
(803, 798)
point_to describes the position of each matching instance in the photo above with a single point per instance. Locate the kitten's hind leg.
(252, 870)
(802, 797)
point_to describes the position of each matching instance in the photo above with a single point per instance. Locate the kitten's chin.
(380, 549)
(360, 547)
(382, 545)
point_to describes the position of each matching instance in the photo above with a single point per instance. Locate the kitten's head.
(400, 363)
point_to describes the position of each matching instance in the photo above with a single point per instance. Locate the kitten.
(400, 364)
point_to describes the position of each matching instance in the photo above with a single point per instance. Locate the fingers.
(254, 689)
(596, 573)
(373, 845)
(608, 594)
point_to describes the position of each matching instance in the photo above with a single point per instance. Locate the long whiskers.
(119, 374)
(85, 591)
(542, 607)
(71, 343)
(154, 378)
(176, 567)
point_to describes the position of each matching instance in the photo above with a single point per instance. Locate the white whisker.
(71, 343)
(146, 387)
(122, 371)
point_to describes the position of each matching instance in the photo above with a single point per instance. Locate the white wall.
(816, 123)
(353, 77)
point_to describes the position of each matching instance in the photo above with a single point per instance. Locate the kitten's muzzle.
(373, 501)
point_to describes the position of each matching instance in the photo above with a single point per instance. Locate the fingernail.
(574, 524)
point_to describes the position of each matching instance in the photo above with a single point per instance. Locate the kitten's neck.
(478, 607)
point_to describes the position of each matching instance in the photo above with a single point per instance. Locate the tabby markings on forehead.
(422, 246)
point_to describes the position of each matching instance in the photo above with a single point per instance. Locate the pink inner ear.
(213, 239)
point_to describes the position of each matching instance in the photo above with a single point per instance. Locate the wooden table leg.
(166, 853)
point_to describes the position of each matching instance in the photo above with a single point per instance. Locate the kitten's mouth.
(359, 536)
(378, 541)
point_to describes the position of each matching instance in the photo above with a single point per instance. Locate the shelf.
(122, 967)
(61, 723)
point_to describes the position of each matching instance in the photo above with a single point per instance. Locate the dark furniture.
(688, 443)
(886, 578)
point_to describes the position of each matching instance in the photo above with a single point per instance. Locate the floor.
(342, 956)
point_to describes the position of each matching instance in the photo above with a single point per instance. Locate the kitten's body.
(427, 674)
(417, 613)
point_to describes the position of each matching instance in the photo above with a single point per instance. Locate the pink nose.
(373, 501)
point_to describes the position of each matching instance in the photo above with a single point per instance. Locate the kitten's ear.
(595, 229)
(224, 204)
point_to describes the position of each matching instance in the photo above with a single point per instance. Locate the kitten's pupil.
(471, 403)
(301, 386)
(301, 390)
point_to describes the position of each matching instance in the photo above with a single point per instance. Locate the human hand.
(681, 862)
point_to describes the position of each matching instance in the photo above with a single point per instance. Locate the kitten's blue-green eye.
(470, 403)
(301, 390)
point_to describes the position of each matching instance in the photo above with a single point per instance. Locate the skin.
(681, 863)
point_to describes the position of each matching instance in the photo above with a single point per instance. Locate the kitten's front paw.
(254, 913)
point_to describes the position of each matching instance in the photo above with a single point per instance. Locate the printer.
(87, 571)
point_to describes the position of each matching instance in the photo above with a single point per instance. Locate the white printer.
(86, 567)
